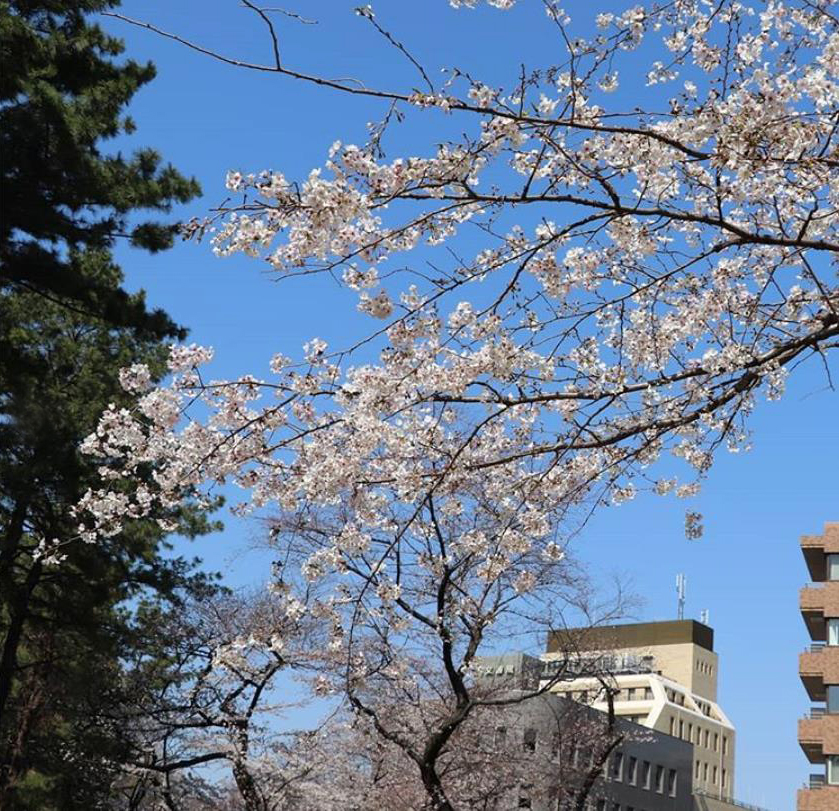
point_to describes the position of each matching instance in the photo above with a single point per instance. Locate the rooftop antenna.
(681, 588)
(704, 617)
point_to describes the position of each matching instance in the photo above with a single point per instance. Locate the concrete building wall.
(648, 771)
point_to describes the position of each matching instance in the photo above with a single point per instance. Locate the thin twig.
(367, 13)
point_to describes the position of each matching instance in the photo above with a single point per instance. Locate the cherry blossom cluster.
(666, 269)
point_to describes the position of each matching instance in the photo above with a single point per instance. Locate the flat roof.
(634, 635)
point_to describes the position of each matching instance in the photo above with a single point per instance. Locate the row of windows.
(642, 773)
(624, 694)
(704, 708)
(679, 698)
(604, 805)
(593, 804)
(701, 770)
(577, 756)
(619, 768)
(635, 719)
(634, 694)
(704, 667)
(698, 736)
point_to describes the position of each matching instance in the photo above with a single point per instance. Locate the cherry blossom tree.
(551, 756)
(205, 722)
(644, 278)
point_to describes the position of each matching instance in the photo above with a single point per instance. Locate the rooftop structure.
(683, 650)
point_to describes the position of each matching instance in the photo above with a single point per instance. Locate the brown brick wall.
(824, 731)
(825, 664)
(823, 598)
(820, 799)
(828, 540)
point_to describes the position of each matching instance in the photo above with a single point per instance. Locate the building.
(663, 676)
(558, 737)
(818, 733)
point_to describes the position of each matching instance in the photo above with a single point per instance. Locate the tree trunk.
(434, 788)
(18, 612)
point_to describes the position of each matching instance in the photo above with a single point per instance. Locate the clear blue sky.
(206, 118)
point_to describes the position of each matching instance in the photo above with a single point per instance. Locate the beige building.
(663, 675)
(818, 733)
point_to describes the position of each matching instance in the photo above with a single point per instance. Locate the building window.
(681, 729)
(659, 779)
(617, 766)
(833, 632)
(714, 778)
(716, 742)
(530, 740)
(648, 694)
(645, 774)
(671, 782)
(705, 772)
(706, 736)
(832, 567)
(724, 779)
(632, 771)
(696, 771)
(672, 725)
(833, 698)
(832, 770)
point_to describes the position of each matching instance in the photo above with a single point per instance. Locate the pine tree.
(68, 632)
(61, 95)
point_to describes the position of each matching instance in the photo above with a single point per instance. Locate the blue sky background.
(207, 118)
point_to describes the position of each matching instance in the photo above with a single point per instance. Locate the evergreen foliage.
(70, 634)
(61, 95)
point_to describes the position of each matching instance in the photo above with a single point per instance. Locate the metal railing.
(816, 781)
(730, 800)
(816, 713)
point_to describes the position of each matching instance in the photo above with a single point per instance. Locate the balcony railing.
(816, 713)
(816, 781)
